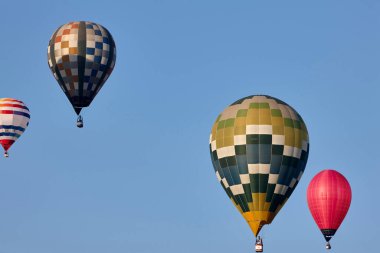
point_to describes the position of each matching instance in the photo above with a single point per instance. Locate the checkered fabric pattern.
(81, 56)
(14, 119)
(259, 147)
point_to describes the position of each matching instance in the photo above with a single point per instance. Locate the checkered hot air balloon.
(329, 198)
(14, 119)
(259, 147)
(81, 56)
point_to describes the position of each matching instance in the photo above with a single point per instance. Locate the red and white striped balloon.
(14, 119)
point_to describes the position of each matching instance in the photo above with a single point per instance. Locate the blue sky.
(138, 178)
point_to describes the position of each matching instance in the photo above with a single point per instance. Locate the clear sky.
(138, 177)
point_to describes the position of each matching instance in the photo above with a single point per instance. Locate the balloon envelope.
(14, 119)
(329, 198)
(81, 56)
(259, 147)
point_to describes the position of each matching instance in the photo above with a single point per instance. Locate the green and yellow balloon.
(259, 147)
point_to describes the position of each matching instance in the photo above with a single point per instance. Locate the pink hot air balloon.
(329, 198)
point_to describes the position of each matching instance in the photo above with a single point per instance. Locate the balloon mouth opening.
(78, 110)
(328, 234)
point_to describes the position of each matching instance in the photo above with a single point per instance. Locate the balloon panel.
(14, 118)
(259, 147)
(81, 56)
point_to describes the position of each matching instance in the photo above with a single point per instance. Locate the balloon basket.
(80, 122)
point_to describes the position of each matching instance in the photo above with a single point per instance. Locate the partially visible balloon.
(259, 147)
(81, 56)
(14, 119)
(329, 198)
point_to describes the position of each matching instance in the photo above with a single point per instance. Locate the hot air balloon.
(14, 119)
(329, 198)
(81, 56)
(259, 147)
